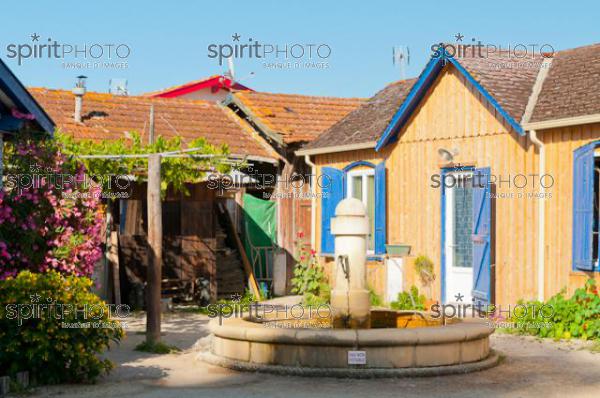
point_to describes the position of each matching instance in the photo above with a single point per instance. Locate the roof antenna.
(230, 74)
(118, 87)
(231, 71)
(401, 58)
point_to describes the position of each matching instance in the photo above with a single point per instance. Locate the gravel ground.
(531, 368)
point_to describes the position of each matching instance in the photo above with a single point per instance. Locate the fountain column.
(350, 302)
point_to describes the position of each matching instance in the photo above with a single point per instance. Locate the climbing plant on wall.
(175, 171)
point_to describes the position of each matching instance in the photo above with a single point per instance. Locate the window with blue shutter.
(584, 201)
(332, 189)
(367, 184)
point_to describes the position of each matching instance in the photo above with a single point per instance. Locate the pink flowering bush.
(46, 221)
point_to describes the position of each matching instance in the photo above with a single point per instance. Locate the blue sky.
(169, 40)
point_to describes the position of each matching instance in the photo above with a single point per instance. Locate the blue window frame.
(339, 184)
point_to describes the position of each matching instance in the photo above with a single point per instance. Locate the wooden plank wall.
(189, 235)
(198, 235)
(560, 144)
(294, 210)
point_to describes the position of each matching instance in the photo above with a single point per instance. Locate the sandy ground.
(532, 368)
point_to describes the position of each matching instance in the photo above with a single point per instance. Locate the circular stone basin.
(390, 351)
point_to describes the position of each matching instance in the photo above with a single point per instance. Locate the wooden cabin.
(286, 122)
(488, 166)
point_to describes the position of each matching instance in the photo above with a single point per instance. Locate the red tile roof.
(295, 118)
(107, 116)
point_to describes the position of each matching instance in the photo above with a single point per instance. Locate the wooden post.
(114, 260)
(153, 286)
(112, 256)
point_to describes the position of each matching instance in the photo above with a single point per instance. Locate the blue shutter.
(583, 207)
(380, 209)
(481, 237)
(332, 188)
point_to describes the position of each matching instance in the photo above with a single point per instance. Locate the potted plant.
(424, 269)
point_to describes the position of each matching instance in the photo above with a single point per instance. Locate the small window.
(463, 221)
(361, 185)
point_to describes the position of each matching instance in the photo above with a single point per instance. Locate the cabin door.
(481, 237)
(458, 246)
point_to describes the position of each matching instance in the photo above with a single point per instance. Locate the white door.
(458, 224)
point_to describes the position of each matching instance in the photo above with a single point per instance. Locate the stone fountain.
(350, 303)
(354, 342)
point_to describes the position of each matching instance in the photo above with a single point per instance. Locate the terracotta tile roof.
(295, 118)
(572, 87)
(107, 116)
(366, 123)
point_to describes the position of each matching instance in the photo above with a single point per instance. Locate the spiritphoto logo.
(500, 55)
(71, 186)
(528, 316)
(273, 55)
(276, 316)
(74, 55)
(83, 316)
(294, 186)
(506, 186)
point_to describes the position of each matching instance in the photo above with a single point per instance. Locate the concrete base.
(354, 373)
(241, 341)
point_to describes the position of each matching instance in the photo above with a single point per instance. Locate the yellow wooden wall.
(560, 144)
(455, 115)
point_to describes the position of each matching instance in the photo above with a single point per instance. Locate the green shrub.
(33, 336)
(411, 300)
(561, 317)
(374, 298)
(424, 269)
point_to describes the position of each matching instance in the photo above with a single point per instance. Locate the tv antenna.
(118, 87)
(401, 58)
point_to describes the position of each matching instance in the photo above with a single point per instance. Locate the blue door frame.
(445, 171)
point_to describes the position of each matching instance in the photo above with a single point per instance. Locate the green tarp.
(260, 234)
